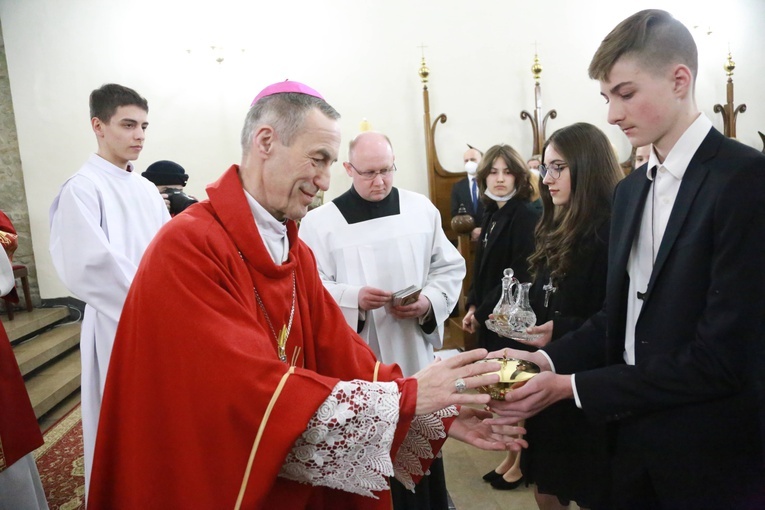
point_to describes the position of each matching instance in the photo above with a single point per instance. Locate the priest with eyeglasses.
(375, 240)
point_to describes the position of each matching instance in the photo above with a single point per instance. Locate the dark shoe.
(504, 485)
(491, 476)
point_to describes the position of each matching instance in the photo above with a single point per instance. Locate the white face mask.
(471, 167)
(497, 198)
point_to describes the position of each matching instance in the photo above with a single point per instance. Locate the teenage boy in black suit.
(674, 360)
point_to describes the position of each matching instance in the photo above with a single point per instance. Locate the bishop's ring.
(460, 385)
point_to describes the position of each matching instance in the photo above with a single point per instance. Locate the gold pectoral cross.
(281, 344)
(549, 288)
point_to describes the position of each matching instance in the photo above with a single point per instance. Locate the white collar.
(110, 167)
(679, 157)
(274, 232)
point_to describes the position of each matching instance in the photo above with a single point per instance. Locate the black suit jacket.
(687, 411)
(461, 195)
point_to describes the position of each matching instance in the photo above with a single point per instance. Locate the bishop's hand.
(472, 427)
(442, 383)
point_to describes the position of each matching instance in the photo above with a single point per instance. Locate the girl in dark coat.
(566, 458)
(507, 240)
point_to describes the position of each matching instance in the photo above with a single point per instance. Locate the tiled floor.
(464, 466)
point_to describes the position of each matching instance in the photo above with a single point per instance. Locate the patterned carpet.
(60, 463)
(61, 468)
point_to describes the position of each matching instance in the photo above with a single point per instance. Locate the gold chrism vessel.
(513, 373)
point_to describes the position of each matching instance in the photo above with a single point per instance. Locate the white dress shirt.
(653, 223)
(658, 206)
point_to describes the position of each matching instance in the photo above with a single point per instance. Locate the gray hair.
(285, 113)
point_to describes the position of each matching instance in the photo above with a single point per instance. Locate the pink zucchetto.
(284, 87)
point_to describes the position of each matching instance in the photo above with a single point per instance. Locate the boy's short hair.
(653, 37)
(104, 101)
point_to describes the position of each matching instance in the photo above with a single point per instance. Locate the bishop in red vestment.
(235, 381)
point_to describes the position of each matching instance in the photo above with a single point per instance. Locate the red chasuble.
(19, 431)
(195, 367)
(9, 241)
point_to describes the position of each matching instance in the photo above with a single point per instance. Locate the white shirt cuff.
(576, 394)
(549, 360)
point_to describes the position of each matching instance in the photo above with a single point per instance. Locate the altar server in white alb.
(373, 241)
(101, 222)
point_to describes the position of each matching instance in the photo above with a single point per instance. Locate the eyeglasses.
(369, 175)
(554, 169)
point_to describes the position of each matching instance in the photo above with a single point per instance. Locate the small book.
(406, 296)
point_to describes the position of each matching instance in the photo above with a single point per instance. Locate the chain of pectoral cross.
(487, 234)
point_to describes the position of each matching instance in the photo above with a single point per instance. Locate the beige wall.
(362, 55)
(13, 198)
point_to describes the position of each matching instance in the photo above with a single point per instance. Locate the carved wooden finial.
(729, 110)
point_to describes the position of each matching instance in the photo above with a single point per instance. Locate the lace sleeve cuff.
(418, 445)
(346, 445)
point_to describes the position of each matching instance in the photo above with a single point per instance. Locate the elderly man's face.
(294, 174)
(372, 153)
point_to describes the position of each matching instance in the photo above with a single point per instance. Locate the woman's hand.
(546, 330)
(470, 427)
(469, 322)
(442, 383)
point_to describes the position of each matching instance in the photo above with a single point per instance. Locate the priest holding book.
(373, 242)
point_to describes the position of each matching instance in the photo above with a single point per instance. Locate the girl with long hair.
(566, 458)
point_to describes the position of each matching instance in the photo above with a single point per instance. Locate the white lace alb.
(347, 443)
